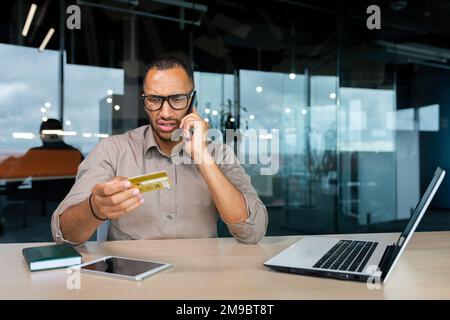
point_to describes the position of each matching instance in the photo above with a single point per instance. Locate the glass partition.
(339, 127)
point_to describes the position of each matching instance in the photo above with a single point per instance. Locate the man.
(209, 186)
(52, 168)
(51, 140)
(54, 159)
(53, 165)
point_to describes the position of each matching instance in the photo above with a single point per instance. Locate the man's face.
(165, 83)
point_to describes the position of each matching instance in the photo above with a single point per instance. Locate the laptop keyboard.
(347, 255)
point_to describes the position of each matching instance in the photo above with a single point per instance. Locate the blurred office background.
(363, 114)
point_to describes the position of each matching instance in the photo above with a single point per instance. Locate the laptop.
(352, 259)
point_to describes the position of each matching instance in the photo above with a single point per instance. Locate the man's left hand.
(195, 133)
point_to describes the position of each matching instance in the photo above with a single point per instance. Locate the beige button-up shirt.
(186, 211)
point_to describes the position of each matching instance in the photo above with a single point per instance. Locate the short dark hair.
(169, 62)
(51, 124)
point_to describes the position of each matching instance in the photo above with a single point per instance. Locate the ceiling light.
(23, 135)
(101, 135)
(30, 16)
(59, 132)
(46, 39)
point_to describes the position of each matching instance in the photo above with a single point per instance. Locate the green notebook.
(51, 257)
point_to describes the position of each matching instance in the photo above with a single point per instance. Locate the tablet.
(123, 268)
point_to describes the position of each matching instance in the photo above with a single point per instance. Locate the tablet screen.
(122, 266)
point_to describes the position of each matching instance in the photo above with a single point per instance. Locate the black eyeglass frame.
(164, 98)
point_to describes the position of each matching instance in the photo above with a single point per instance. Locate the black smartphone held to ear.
(193, 103)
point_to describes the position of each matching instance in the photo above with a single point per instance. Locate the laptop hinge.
(388, 258)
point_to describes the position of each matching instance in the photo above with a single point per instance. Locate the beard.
(162, 135)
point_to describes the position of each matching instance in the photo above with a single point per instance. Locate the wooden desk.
(225, 269)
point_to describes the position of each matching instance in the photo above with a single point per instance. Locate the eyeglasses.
(176, 101)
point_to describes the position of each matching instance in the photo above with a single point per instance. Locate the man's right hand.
(115, 198)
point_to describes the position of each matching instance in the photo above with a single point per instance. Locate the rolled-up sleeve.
(255, 227)
(96, 168)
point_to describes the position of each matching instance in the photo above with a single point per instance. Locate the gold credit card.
(151, 181)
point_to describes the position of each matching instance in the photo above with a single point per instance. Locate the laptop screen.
(424, 201)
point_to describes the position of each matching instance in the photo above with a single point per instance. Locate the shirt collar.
(149, 139)
(150, 142)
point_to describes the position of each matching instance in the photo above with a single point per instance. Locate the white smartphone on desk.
(122, 268)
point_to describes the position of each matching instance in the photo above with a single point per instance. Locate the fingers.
(193, 122)
(118, 214)
(123, 207)
(194, 127)
(190, 117)
(116, 197)
(186, 134)
(119, 197)
(111, 187)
